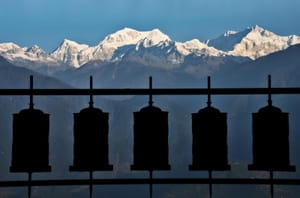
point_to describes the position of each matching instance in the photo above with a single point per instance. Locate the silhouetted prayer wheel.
(30, 147)
(151, 131)
(91, 140)
(151, 150)
(270, 133)
(271, 140)
(209, 127)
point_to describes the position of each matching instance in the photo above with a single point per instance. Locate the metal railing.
(152, 91)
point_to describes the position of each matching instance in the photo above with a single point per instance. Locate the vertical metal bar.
(31, 94)
(151, 183)
(91, 184)
(150, 92)
(91, 103)
(29, 184)
(269, 87)
(209, 94)
(272, 183)
(210, 183)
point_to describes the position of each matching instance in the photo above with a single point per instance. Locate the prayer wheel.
(209, 128)
(270, 144)
(270, 140)
(151, 149)
(30, 147)
(91, 139)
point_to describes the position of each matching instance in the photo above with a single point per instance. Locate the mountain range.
(153, 48)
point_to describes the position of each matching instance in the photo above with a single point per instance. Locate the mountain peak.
(8, 46)
(256, 28)
(194, 43)
(253, 42)
(154, 37)
(67, 42)
(35, 47)
(127, 29)
(128, 36)
(261, 42)
(125, 36)
(70, 45)
(157, 35)
(36, 50)
(67, 52)
(260, 32)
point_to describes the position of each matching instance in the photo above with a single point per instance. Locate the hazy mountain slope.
(283, 66)
(18, 77)
(228, 40)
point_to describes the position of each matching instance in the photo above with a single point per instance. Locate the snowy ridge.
(36, 51)
(198, 48)
(253, 42)
(14, 52)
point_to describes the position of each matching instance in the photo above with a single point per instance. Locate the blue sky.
(46, 23)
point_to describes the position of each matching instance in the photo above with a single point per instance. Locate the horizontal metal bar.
(167, 91)
(135, 181)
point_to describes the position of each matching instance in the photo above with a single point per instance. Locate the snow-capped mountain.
(113, 48)
(154, 47)
(253, 42)
(33, 58)
(76, 54)
(126, 37)
(159, 50)
(13, 52)
(129, 41)
(68, 52)
(169, 54)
